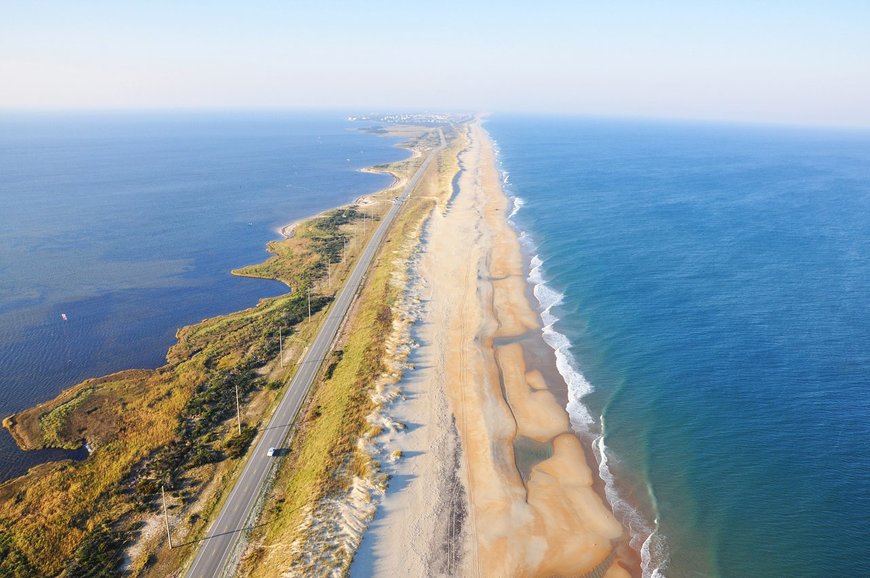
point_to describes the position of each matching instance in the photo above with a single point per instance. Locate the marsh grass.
(169, 426)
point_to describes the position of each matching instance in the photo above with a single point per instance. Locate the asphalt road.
(217, 547)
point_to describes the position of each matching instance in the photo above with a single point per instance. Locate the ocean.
(129, 224)
(707, 290)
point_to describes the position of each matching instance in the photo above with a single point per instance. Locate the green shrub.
(99, 555)
(237, 445)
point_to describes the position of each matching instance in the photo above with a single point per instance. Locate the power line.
(166, 517)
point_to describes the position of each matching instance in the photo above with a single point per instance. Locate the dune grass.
(324, 455)
(326, 438)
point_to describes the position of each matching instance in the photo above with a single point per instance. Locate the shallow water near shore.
(129, 224)
(707, 290)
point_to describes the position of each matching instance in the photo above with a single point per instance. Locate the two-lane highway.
(216, 551)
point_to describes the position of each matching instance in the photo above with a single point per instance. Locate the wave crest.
(578, 387)
(518, 204)
(644, 538)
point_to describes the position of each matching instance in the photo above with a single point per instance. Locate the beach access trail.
(220, 548)
(529, 508)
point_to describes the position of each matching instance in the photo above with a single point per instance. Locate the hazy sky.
(775, 61)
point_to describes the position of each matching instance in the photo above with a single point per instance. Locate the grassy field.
(324, 456)
(171, 427)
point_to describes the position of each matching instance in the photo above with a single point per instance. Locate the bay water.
(129, 224)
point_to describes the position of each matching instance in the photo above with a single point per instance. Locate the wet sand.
(526, 502)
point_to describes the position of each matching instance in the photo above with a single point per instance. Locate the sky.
(797, 61)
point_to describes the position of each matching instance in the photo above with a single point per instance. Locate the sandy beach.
(528, 506)
(418, 524)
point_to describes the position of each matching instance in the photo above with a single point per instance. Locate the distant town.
(417, 118)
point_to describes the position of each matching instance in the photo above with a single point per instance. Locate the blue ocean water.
(130, 224)
(708, 290)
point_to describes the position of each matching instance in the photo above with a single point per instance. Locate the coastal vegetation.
(326, 456)
(326, 437)
(174, 427)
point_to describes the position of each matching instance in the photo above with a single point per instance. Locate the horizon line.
(617, 117)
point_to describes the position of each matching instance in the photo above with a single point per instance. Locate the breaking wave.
(518, 204)
(645, 538)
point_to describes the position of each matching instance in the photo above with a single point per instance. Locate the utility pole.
(309, 304)
(238, 410)
(281, 344)
(166, 517)
(329, 274)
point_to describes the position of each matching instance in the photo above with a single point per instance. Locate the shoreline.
(543, 354)
(563, 366)
(287, 231)
(531, 501)
(613, 490)
(582, 423)
(557, 481)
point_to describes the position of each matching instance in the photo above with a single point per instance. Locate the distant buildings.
(418, 118)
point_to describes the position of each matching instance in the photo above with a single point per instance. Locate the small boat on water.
(64, 317)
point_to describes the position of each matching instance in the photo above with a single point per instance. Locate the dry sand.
(417, 530)
(526, 505)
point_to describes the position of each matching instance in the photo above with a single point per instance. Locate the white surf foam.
(643, 537)
(526, 241)
(518, 201)
(518, 204)
(647, 565)
(548, 298)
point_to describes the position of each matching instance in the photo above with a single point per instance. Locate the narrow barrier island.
(433, 440)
